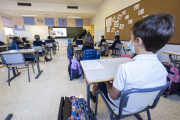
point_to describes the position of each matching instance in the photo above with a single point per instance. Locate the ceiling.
(71, 2)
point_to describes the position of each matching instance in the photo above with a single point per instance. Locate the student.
(37, 42)
(117, 37)
(75, 39)
(102, 40)
(51, 40)
(25, 41)
(51, 32)
(148, 35)
(79, 41)
(16, 41)
(88, 42)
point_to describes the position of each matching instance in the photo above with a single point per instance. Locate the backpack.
(73, 108)
(74, 68)
(125, 56)
(70, 51)
(102, 51)
(173, 77)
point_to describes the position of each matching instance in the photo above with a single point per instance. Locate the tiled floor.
(39, 99)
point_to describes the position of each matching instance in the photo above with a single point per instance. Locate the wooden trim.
(171, 53)
(1, 66)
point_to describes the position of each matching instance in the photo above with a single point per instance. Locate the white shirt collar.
(146, 57)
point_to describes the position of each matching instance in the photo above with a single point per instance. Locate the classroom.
(89, 60)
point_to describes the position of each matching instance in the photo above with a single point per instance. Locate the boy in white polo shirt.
(148, 35)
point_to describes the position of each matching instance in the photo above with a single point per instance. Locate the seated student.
(38, 42)
(117, 37)
(51, 40)
(102, 40)
(16, 41)
(148, 35)
(79, 41)
(25, 41)
(75, 39)
(88, 42)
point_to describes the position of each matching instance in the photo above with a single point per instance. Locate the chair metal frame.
(124, 101)
(15, 68)
(117, 47)
(43, 53)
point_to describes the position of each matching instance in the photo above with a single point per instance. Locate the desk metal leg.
(124, 50)
(172, 60)
(76, 54)
(8, 117)
(14, 75)
(88, 94)
(39, 71)
(50, 55)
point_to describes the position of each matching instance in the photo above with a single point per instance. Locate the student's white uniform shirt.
(145, 71)
(52, 32)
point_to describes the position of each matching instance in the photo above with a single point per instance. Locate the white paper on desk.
(91, 64)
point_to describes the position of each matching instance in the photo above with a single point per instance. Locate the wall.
(109, 7)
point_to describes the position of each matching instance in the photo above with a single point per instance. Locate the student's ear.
(139, 41)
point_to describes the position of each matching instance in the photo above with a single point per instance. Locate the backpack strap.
(168, 64)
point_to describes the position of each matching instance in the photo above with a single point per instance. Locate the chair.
(90, 54)
(14, 60)
(134, 98)
(118, 47)
(41, 51)
(51, 45)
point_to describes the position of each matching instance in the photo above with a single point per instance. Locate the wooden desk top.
(177, 53)
(79, 48)
(104, 74)
(20, 51)
(1, 66)
(125, 46)
(3, 46)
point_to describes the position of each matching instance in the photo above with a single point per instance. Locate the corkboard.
(150, 7)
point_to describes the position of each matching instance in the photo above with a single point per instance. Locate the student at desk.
(148, 35)
(51, 40)
(26, 42)
(38, 42)
(79, 41)
(102, 40)
(117, 37)
(88, 42)
(15, 43)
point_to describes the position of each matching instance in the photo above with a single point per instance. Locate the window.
(8, 27)
(8, 31)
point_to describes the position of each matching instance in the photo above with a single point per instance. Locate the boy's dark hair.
(24, 39)
(102, 36)
(154, 30)
(15, 38)
(117, 37)
(79, 36)
(49, 37)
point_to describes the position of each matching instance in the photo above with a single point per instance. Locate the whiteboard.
(23, 34)
(42, 31)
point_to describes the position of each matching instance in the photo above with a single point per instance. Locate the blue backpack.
(70, 52)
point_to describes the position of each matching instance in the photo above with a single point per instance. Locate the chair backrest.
(103, 43)
(12, 58)
(118, 45)
(90, 54)
(37, 47)
(79, 42)
(139, 99)
(50, 44)
(80, 46)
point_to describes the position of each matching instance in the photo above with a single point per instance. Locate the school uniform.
(79, 42)
(38, 43)
(145, 71)
(16, 42)
(114, 44)
(102, 40)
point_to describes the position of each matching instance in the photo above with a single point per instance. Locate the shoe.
(106, 55)
(93, 98)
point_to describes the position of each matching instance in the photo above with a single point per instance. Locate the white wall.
(109, 7)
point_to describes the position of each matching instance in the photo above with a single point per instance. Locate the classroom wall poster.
(27, 28)
(114, 18)
(145, 16)
(140, 12)
(63, 22)
(117, 32)
(113, 29)
(116, 23)
(119, 17)
(124, 12)
(136, 7)
(121, 26)
(130, 21)
(108, 22)
(108, 29)
(19, 26)
(126, 17)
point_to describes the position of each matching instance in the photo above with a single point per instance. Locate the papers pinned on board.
(126, 17)
(91, 64)
(130, 21)
(140, 12)
(108, 29)
(124, 12)
(121, 26)
(108, 22)
(116, 23)
(119, 17)
(136, 7)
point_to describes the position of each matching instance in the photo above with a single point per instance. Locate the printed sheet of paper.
(114, 18)
(117, 32)
(126, 17)
(121, 26)
(130, 21)
(116, 23)
(136, 7)
(27, 28)
(119, 17)
(140, 12)
(19, 26)
(113, 29)
(124, 12)
(108, 22)
(108, 29)
(91, 64)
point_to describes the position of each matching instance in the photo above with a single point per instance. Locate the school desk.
(175, 53)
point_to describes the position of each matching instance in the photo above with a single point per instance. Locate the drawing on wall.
(40, 20)
(63, 22)
(19, 26)
(119, 17)
(114, 18)
(108, 22)
(108, 29)
(140, 12)
(126, 17)
(124, 12)
(121, 26)
(116, 23)
(145, 16)
(117, 32)
(136, 7)
(27, 28)
(113, 29)
(130, 21)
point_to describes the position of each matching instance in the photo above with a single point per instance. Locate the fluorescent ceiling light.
(24, 14)
(70, 16)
